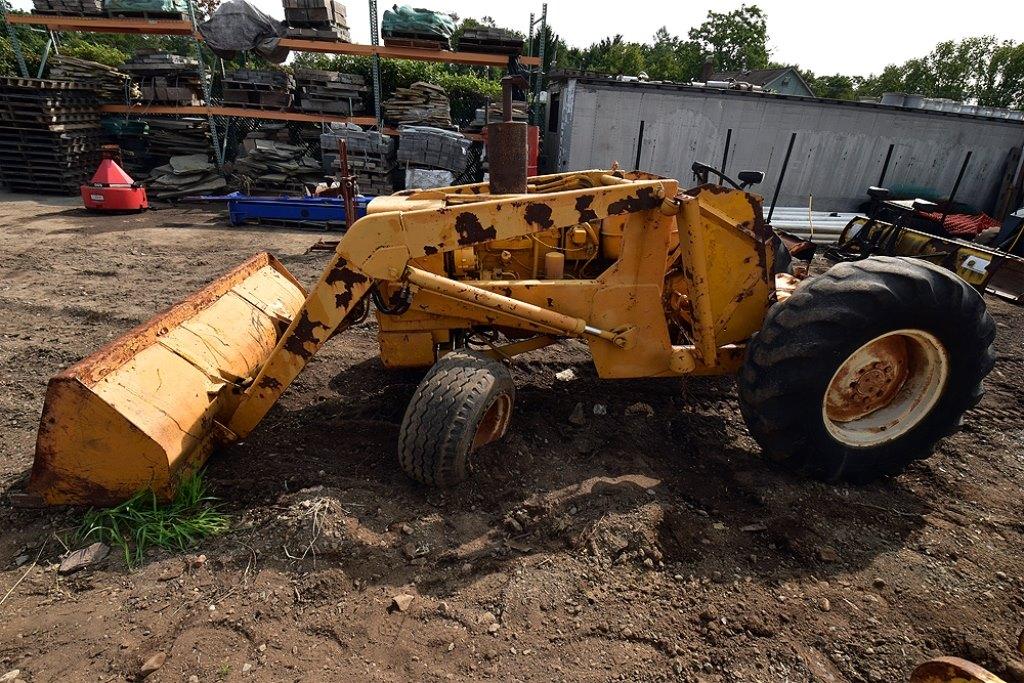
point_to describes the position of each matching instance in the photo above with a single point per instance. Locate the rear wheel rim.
(494, 421)
(885, 388)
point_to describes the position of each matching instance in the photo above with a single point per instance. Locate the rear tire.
(464, 402)
(903, 339)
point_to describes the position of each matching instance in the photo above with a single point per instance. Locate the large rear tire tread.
(436, 438)
(804, 340)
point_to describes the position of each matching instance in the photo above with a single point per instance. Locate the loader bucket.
(147, 409)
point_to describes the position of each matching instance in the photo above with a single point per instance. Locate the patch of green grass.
(142, 522)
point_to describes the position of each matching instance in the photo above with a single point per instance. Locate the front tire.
(865, 368)
(463, 403)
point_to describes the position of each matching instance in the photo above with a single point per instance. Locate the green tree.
(738, 40)
(836, 86)
(669, 58)
(957, 68)
(1003, 82)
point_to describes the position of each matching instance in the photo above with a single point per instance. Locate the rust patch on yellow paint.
(471, 231)
(583, 208)
(539, 214)
(644, 200)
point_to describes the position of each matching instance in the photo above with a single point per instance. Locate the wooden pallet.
(419, 43)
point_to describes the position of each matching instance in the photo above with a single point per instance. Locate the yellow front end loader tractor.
(858, 372)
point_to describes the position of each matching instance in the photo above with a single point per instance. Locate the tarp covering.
(236, 25)
(405, 20)
(153, 6)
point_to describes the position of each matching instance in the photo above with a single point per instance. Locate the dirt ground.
(636, 547)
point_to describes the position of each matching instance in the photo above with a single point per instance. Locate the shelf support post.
(12, 34)
(205, 81)
(375, 61)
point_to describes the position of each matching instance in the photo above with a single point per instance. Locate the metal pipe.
(491, 301)
(725, 154)
(46, 55)
(956, 186)
(639, 145)
(782, 175)
(885, 166)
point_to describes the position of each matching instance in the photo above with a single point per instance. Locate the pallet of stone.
(330, 80)
(494, 113)
(160, 89)
(420, 103)
(330, 91)
(167, 137)
(184, 175)
(490, 40)
(336, 33)
(257, 99)
(371, 156)
(165, 77)
(155, 62)
(255, 88)
(359, 163)
(433, 147)
(147, 9)
(357, 140)
(109, 84)
(260, 78)
(421, 42)
(315, 13)
(273, 166)
(68, 7)
(336, 107)
(324, 13)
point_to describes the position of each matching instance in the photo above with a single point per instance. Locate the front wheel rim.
(494, 422)
(885, 388)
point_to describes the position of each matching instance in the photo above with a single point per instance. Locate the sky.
(853, 38)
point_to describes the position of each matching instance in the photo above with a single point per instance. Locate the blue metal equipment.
(323, 213)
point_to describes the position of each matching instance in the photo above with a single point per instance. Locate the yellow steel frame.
(148, 408)
(718, 236)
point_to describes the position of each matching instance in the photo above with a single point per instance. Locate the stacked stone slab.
(165, 78)
(371, 157)
(424, 146)
(258, 88)
(275, 167)
(68, 7)
(421, 103)
(490, 40)
(330, 92)
(109, 84)
(317, 19)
